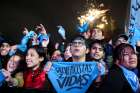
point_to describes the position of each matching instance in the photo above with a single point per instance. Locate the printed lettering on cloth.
(72, 77)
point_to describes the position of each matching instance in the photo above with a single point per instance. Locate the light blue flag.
(72, 77)
(23, 45)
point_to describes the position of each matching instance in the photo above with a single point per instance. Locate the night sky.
(17, 14)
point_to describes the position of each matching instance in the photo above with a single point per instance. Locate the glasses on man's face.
(77, 43)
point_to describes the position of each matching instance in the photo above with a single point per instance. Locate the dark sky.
(16, 14)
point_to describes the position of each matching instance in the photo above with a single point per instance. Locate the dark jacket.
(115, 82)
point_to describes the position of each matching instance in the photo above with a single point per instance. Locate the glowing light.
(92, 15)
(101, 26)
(103, 19)
(90, 18)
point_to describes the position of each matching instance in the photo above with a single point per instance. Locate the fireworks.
(101, 26)
(92, 15)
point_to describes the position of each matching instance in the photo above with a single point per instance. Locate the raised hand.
(14, 47)
(7, 74)
(61, 31)
(41, 29)
(25, 31)
(48, 66)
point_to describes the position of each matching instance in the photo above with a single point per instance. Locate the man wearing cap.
(121, 39)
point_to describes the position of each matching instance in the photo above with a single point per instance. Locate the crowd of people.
(25, 66)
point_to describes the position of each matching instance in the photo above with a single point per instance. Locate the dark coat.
(115, 82)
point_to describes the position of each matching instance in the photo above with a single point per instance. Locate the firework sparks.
(92, 15)
(101, 26)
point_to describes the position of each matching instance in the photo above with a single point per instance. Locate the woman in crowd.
(4, 53)
(67, 53)
(35, 76)
(121, 78)
(13, 72)
(57, 56)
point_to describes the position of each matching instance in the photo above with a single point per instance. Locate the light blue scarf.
(131, 78)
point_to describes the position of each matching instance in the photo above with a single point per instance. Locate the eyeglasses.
(77, 43)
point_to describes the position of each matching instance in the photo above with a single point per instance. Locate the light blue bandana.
(131, 78)
(72, 77)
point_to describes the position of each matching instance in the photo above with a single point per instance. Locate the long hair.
(41, 52)
(117, 54)
(22, 65)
